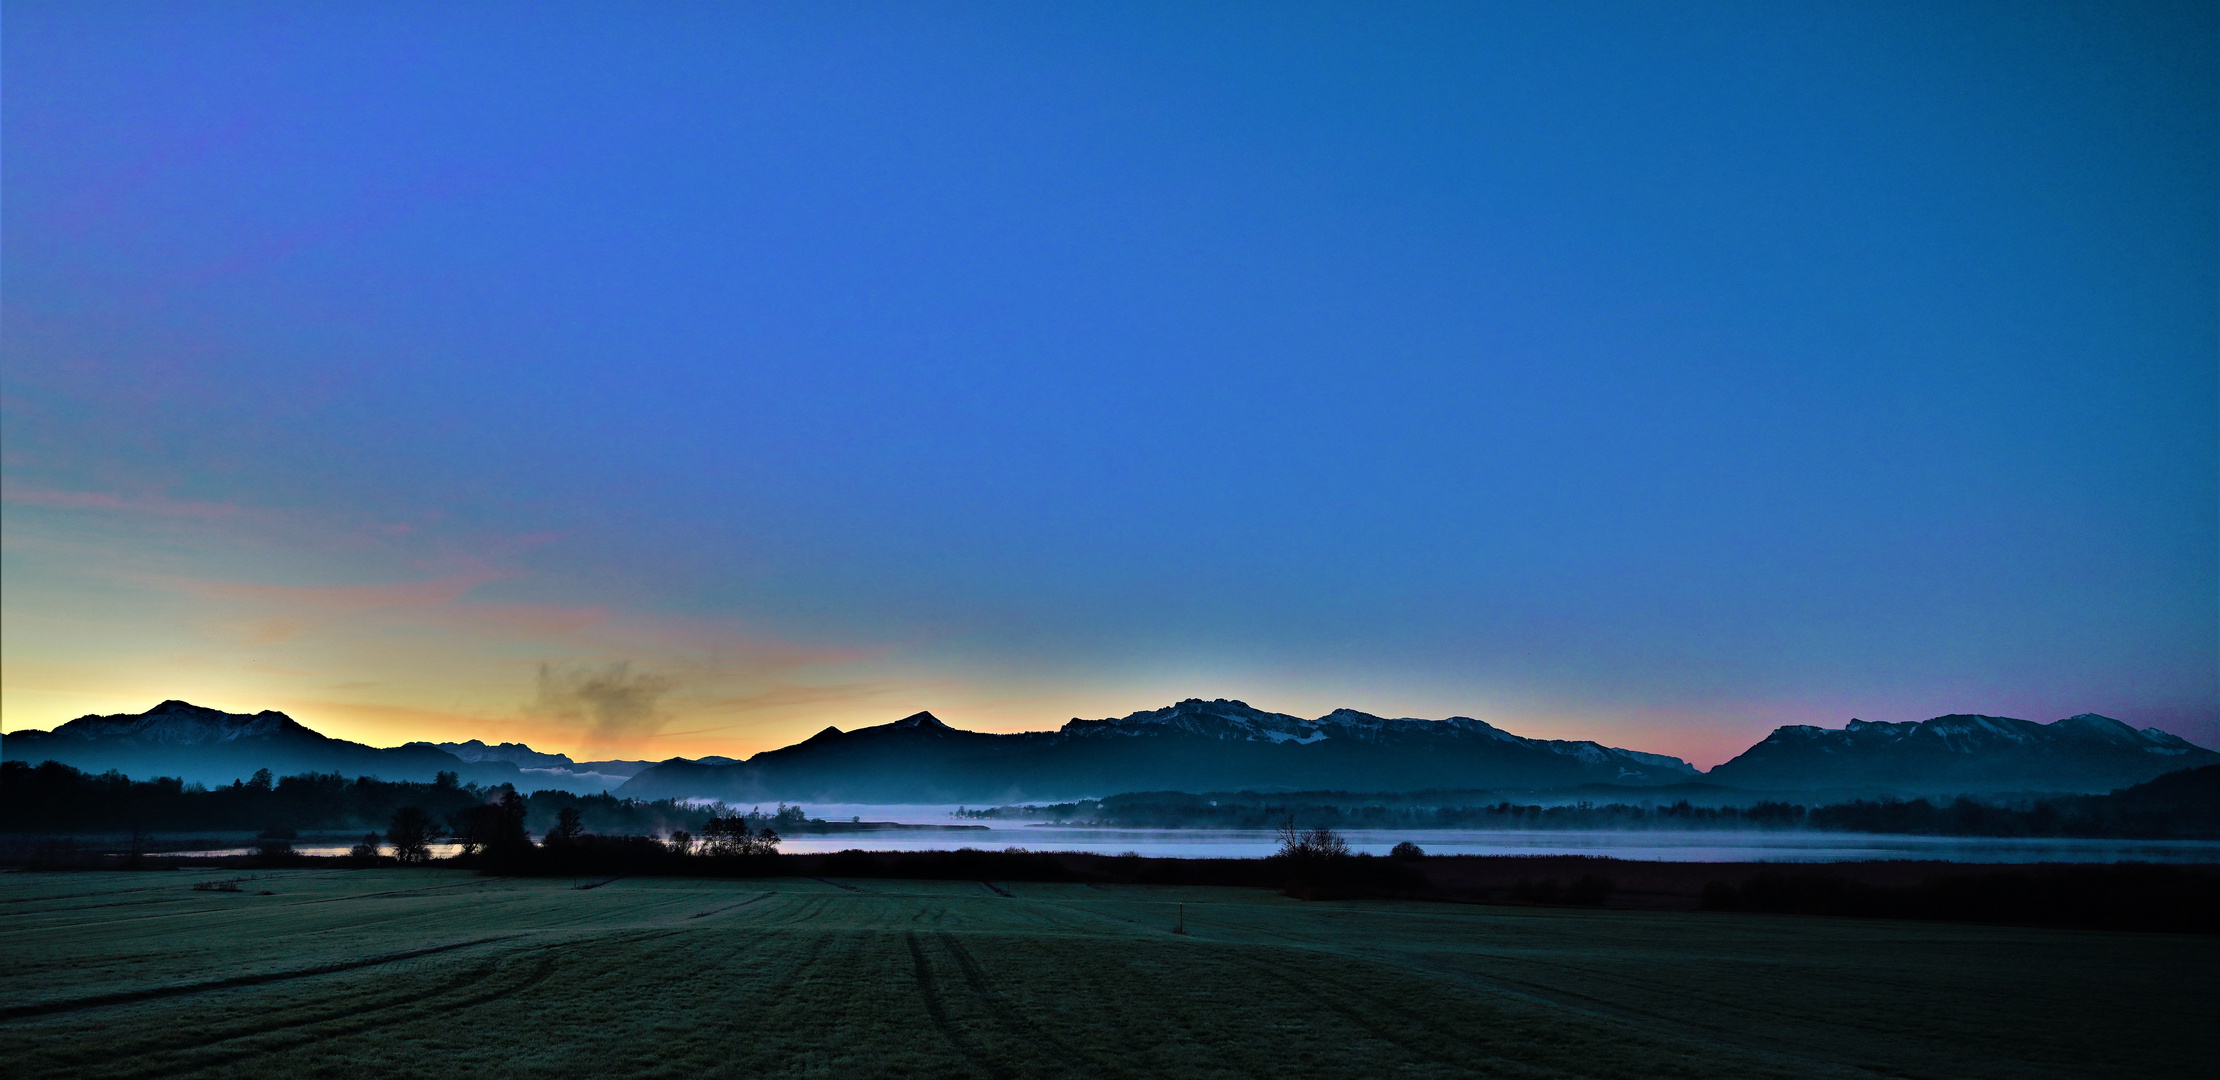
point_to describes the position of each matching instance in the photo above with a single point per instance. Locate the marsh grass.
(433, 973)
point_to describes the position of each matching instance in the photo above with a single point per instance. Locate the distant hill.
(1962, 754)
(1195, 745)
(210, 746)
(2189, 791)
(539, 767)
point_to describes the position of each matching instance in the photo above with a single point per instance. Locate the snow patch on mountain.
(1232, 720)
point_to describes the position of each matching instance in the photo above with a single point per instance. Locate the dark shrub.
(275, 844)
(365, 853)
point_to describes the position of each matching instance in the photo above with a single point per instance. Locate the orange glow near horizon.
(448, 656)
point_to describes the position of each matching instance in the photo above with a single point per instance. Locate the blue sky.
(682, 378)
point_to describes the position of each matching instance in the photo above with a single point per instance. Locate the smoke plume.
(615, 705)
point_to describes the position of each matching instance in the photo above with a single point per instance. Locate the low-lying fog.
(1694, 845)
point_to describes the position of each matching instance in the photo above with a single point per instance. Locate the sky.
(654, 379)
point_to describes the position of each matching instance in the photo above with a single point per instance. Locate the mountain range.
(1962, 753)
(1195, 745)
(559, 768)
(209, 746)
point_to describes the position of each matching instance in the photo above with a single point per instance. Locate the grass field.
(440, 973)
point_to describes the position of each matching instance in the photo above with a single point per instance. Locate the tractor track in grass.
(927, 990)
(737, 904)
(150, 888)
(419, 891)
(356, 1023)
(1466, 1053)
(126, 997)
(82, 895)
(804, 908)
(1174, 1011)
(1653, 1023)
(35, 912)
(216, 908)
(795, 971)
(353, 1008)
(1009, 1017)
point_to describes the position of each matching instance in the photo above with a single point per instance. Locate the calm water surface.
(1690, 846)
(1694, 845)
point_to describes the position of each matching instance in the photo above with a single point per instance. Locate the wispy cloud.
(154, 504)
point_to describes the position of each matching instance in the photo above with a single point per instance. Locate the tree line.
(56, 798)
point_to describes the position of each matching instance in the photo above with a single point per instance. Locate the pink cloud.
(161, 505)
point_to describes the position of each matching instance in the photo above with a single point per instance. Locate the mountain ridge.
(1962, 752)
(1194, 744)
(203, 745)
(1191, 744)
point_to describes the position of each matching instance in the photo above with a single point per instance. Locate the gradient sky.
(650, 379)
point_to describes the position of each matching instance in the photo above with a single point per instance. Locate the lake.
(1689, 845)
(1692, 845)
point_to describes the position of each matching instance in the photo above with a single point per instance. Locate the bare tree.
(1316, 845)
(1311, 857)
(410, 834)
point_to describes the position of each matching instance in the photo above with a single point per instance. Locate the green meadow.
(437, 973)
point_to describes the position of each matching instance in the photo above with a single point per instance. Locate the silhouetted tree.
(262, 780)
(568, 828)
(493, 830)
(447, 780)
(470, 826)
(681, 842)
(1311, 858)
(507, 837)
(411, 834)
(1317, 845)
(367, 851)
(731, 836)
(1407, 850)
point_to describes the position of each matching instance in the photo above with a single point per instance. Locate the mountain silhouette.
(210, 746)
(1195, 745)
(1962, 753)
